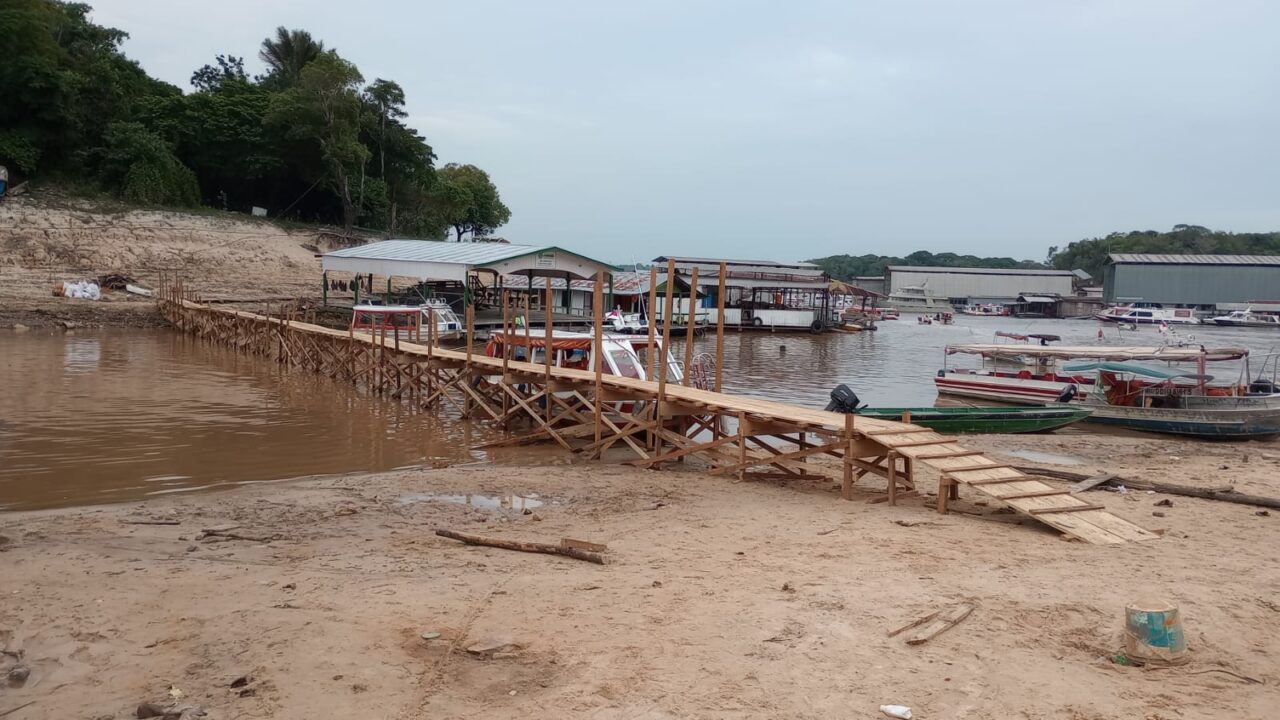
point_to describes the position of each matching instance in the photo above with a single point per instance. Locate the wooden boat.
(1030, 374)
(985, 419)
(1178, 403)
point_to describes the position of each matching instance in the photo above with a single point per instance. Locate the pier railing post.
(599, 360)
(689, 330)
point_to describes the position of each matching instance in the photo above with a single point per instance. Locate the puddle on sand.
(483, 502)
(1044, 457)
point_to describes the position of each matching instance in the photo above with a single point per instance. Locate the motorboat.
(1033, 374)
(1149, 315)
(1182, 403)
(1119, 392)
(985, 310)
(1247, 318)
(410, 322)
(964, 419)
(917, 299)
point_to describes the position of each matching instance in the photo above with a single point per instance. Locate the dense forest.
(1088, 255)
(308, 139)
(847, 267)
(1091, 255)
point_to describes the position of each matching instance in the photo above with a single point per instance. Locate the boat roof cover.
(1103, 352)
(1123, 368)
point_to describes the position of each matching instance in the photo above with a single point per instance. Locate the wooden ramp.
(657, 422)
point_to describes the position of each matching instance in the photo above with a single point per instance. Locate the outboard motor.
(843, 400)
(1068, 394)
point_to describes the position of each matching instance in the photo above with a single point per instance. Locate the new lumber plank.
(1065, 509)
(1037, 493)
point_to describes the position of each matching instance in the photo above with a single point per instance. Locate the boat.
(964, 419)
(1149, 315)
(889, 314)
(985, 419)
(624, 355)
(1030, 374)
(987, 310)
(1164, 400)
(1247, 318)
(407, 321)
(916, 299)
(1183, 403)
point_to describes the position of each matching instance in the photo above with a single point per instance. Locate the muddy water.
(112, 416)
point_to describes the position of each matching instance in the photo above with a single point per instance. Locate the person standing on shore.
(4, 180)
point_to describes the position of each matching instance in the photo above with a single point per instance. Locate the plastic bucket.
(1153, 633)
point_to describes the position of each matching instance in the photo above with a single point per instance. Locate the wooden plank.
(1038, 493)
(947, 456)
(938, 622)
(898, 431)
(973, 468)
(1065, 509)
(720, 329)
(686, 378)
(920, 443)
(999, 481)
(1093, 482)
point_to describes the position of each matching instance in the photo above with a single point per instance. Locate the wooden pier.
(653, 422)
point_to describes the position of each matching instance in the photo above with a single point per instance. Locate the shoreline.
(720, 598)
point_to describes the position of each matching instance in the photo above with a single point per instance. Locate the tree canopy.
(847, 267)
(307, 139)
(1091, 254)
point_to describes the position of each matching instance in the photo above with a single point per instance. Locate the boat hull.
(985, 420)
(1208, 424)
(1244, 323)
(1018, 391)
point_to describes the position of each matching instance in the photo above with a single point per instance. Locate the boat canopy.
(1116, 367)
(1103, 352)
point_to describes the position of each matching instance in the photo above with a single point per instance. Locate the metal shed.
(1191, 280)
(979, 285)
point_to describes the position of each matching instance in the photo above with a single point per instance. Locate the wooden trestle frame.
(653, 422)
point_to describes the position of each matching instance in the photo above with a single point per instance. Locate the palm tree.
(288, 52)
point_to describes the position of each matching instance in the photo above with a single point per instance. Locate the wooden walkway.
(657, 423)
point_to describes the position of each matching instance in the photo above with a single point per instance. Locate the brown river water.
(110, 416)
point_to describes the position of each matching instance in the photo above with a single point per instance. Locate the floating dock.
(653, 421)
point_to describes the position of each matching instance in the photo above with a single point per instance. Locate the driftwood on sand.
(522, 546)
(1224, 493)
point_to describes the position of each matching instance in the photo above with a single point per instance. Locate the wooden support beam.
(686, 376)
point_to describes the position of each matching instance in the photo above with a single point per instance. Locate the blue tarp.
(1123, 368)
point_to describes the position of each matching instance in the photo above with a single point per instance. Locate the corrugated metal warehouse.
(1191, 279)
(979, 285)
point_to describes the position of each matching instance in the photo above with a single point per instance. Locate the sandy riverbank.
(226, 256)
(722, 599)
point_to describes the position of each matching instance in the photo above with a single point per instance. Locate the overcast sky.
(793, 130)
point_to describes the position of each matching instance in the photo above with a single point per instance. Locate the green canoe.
(985, 419)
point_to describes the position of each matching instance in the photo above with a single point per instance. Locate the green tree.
(322, 115)
(143, 169)
(468, 201)
(287, 54)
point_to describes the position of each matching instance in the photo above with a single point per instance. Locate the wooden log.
(1224, 493)
(523, 546)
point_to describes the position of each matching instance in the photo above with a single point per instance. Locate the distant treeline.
(1088, 255)
(308, 139)
(847, 267)
(1091, 255)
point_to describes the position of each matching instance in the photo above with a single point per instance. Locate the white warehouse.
(971, 286)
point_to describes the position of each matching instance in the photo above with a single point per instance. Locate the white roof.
(439, 260)
(1102, 352)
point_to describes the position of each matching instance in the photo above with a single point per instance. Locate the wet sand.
(721, 599)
